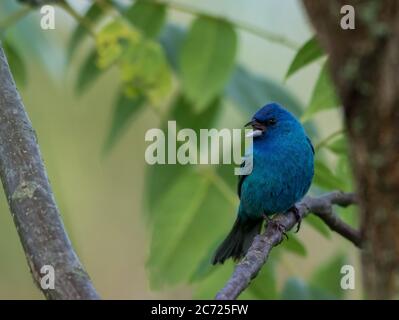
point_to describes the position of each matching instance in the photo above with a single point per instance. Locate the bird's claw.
(298, 217)
(276, 224)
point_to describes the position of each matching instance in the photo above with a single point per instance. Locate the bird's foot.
(298, 217)
(276, 225)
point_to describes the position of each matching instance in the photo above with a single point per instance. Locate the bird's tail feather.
(238, 240)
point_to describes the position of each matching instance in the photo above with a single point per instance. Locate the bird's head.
(272, 119)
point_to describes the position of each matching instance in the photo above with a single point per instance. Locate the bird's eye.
(271, 121)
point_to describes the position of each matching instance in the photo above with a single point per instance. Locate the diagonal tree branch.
(260, 249)
(31, 199)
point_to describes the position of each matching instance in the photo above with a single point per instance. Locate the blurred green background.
(104, 197)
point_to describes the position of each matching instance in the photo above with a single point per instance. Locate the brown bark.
(364, 64)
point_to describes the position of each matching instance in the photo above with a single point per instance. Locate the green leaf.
(187, 257)
(147, 16)
(325, 178)
(318, 225)
(338, 146)
(182, 112)
(328, 277)
(176, 210)
(161, 177)
(92, 16)
(171, 39)
(205, 267)
(209, 286)
(350, 214)
(88, 74)
(264, 286)
(250, 92)
(308, 53)
(182, 218)
(141, 62)
(124, 110)
(319, 294)
(295, 289)
(207, 59)
(144, 70)
(344, 170)
(323, 97)
(213, 278)
(294, 245)
(16, 63)
(43, 48)
(245, 89)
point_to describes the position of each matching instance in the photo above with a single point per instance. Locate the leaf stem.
(13, 18)
(82, 20)
(327, 139)
(265, 34)
(220, 184)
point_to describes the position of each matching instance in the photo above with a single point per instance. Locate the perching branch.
(31, 200)
(260, 249)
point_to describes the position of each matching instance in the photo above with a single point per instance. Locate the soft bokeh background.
(101, 197)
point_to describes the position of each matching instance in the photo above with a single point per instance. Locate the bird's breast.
(280, 177)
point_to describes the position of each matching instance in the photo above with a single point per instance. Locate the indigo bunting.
(282, 173)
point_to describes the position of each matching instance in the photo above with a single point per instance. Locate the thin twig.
(86, 23)
(13, 18)
(260, 249)
(327, 139)
(265, 34)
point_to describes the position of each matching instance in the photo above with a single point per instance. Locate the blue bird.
(282, 173)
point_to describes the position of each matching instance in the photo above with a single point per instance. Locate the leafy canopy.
(193, 70)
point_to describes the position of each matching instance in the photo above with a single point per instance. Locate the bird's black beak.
(258, 128)
(249, 123)
(256, 125)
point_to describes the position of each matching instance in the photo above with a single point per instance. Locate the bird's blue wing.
(241, 179)
(310, 143)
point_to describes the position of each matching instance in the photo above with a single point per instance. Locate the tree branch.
(31, 200)
(260, 249)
